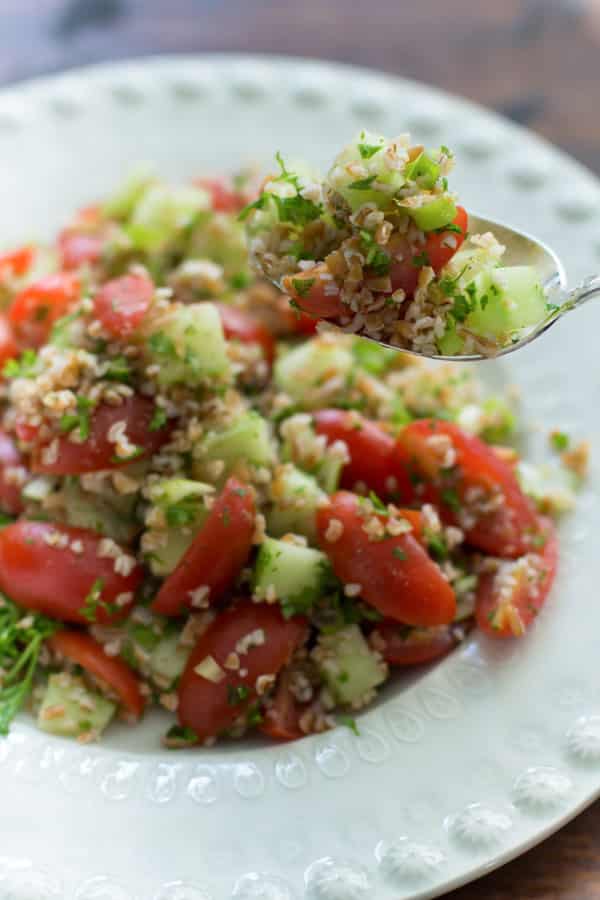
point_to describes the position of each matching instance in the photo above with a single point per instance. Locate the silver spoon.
(525, 250)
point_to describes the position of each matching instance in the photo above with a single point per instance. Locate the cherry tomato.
(441, 246)
(509, 600)
(89, 654)
(309, 291)
(10, 490)
(410, 647)
(373, 458)
(122, 303)
(74, 585)
(281, 720)
(217, 553)
(462, 476)
(223, 197)
(8, 343)
(35, 309)
(396, 575)
(98, 452)
(16, 262)
(78, 247)
(241, 326)
(210, 705)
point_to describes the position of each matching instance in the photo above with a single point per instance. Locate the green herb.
(19, 654)
(451, 499)
(560, 441)
(226, 517)
(21, 368)
(297, 210)
(436, 544)
(539, 540)
(350, 723)
(162, 344)
(302, 286)
(250, 207)
(240, 280)
(159, 419)
(399, 553)
(375, 257)
(363, 184)
(241, 492)
(422, 259)
(379, 505)
(118, 370)
(93, 602)
(446, 151)
(79, 420)
(450, 227)
(368, 150)
(254, 716)
(181, 735)
(461, 308)
(444, 184)
(237, 694)
(135, 453)
(183, 512)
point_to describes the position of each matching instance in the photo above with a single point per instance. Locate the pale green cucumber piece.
(348, 665)
(298, 575)
(69, 708)
(506, 300)
(368, 151)
(437, 212)
(168, 659)
(123, 202)
(295, 497)
(247, 440)
(304, 369)
(554, 488)
(162, 213)
(450, 343)
(112, 515)
(190, 346)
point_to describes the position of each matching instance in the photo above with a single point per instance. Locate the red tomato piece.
(241, 326)
(373, 458)
(441, 246)
(10, 462)
(8, 342)
(223, 196)
(78, 247)
(89, 654)
(122, 303)
(281, 720)
(35, 309)
(98, 452)
(217, 554)
(311, 292)
(209, 705)
(42, 576)
(470, 484)
(396, 575)
(16, 262)
(509, 600)
(415, 646)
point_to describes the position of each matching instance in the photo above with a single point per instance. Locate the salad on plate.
(211, 508)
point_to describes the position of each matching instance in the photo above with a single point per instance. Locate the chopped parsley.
(421, 259)
(302, 286)
(368, 150)
(237, 694)
(118, 370)
(24, 367)
(162, 344)
(159, 419)
(135, 453)
(181, 735)
(437, 545)
(461, 307)
(349, 722)
(297, 210)
(240, 280)
(93, 602)
(79, 420)
(375, 257)
(363, 184)
(560, 441)
(183, 512)
(378, 504)
(398, 553)
(450, 498)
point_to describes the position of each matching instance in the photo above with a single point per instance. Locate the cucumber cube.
(506, 301)
(168, 660)
(189, 346)
(350, 668)
(247, 440)
(302, 371)
(298, 575)
(295, 497)
(69, 708)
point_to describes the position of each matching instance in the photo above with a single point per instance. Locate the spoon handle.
(589, 287)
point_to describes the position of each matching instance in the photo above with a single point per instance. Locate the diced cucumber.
(165, 558)
(298, 575)
(221, 239)
(552, 487)
(302, 371)
(183, 504)
(247, 440)
(506, 300)
(372, 357)
(69, 708)
(440, 210)
(295, 497)
(162, 212)
(189, 346)
(304, 448)
(168, 660)
(369, 152)
(110, 513)
(450, 343)
(350, 668)
(424, 170)
(124, 200)
(68, 331)
(494, 420)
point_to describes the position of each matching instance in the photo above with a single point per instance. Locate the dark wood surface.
(536, 61)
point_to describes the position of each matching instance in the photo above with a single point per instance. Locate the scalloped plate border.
(452, 775)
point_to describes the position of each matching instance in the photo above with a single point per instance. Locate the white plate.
(451, 775)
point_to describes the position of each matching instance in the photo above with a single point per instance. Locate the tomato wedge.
(11, 462)
(281, 719)
(241, 326)
(396, 575)
(510, 599)
(217, 554)
(78, 248)
(314, 294)
(89, 654)
(470, 484)
(40, 570)
(222, 194)
(122, 303)
(211, 695)
(373, 458)
(441, 246)
(35, 309)
(400, 646)
(16, 262)
(8, 343)
(97, 452)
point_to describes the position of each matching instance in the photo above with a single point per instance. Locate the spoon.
(523, 249)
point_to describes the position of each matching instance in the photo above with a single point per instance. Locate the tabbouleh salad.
(209, 507)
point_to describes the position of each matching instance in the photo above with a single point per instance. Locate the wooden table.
(536, 61)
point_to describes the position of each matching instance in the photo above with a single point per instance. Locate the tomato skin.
(408, 587)
(35, 309)
(16, 262)
(372, 453)
(8, 342)
(510, 615)
(89, 654)
(77, 248)
(217, 554)
(314, 300)
(56, 580)
(505, 531)
(438, 252)
(223, 197)
(281, 720)
(241, 326)
(122, 303)
(97, 452)
(10, 458)
(205, 706)
(418, 647)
